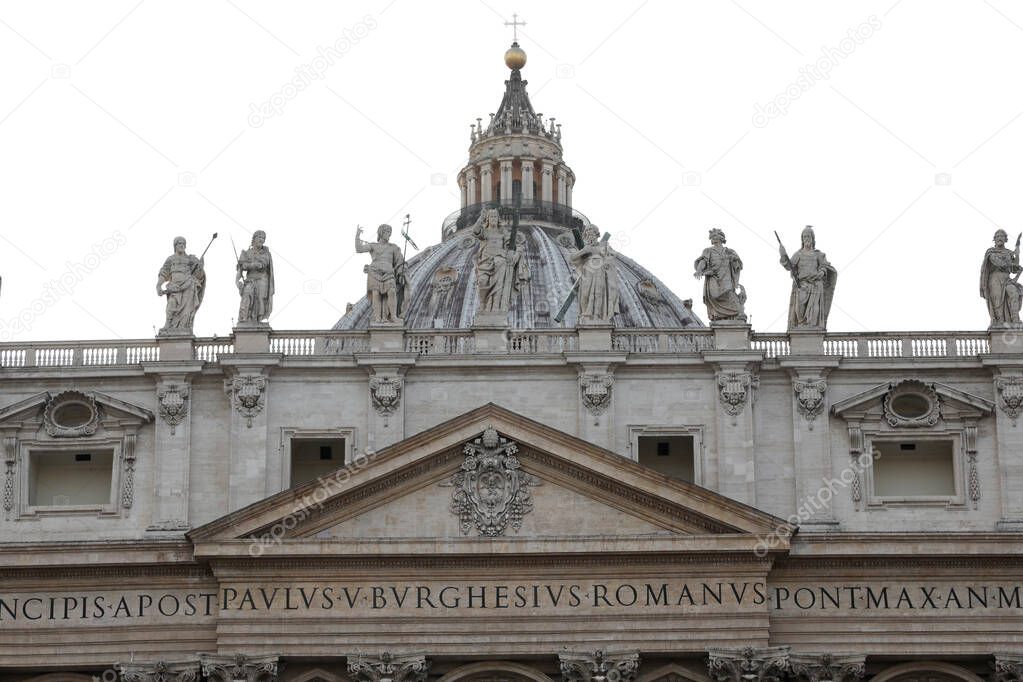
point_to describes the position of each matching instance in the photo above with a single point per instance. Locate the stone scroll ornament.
(159, 672)
(491, 490)
(827, 667)
(386, 394)
(1010, 396)
(810, 395)
(173, 402)
(748, 664)
(239, 667)
(599, 666)
(596, 392)
(735, 389)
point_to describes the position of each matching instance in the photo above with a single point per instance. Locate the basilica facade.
(519, 457)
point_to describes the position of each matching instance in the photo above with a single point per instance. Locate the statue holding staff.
(382, 274)
(813, 283)
(998, 286)
(182, 279)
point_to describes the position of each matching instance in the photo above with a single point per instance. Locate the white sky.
(108, 110)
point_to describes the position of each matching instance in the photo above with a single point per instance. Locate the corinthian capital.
(827, 667)
(749, 664)
(388, 667)
(599, 666)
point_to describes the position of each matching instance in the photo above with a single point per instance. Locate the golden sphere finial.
(515, 57)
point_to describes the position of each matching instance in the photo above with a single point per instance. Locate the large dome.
(443, 287)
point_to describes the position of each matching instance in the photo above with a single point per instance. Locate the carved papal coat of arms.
(491, 490)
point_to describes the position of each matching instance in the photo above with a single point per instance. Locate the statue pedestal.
(1006, 339)
(806, 341)
(386, 337)
(175, 346)
(252, 339)
(491, 332)
(731, 334)
(594, 336)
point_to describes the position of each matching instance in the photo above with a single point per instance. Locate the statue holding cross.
(597, 277)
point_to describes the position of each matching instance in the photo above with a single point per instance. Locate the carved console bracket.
(827, 667)
(387, 667)
(599, 666)
(748, 664)
(239, 668)
(180, 671)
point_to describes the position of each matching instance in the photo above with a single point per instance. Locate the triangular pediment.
(948, 401)
(40, 408)
(442, 486)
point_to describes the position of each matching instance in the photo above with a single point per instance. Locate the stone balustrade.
(519, 342)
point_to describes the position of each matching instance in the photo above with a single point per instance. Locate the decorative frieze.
(599, 666)
(827, 667)
(248, 395)
(388, 667)
(1010, 396)
(596, 392)
(173, 404)
(810, 398)
(187, 671)
(239, 668)
(748, 664)
(491, 490)
(736, 389)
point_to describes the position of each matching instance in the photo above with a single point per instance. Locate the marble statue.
(597, 277)
(813, 283)
(998, 287)
(719, 266)
(499, 269)
(182, 279)
(254, 276)
(382, 274)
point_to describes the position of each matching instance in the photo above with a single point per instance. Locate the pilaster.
(173, 457)
(547, 181)
(1007, 377)
(247, 385)
(506, 180)
(596, 395)
(486, 183)
(527, 179)
(386, 396)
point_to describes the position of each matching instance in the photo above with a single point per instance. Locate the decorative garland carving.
(128, 455)
(10, 464)
(173, 402)
(596, 392)
(827, 667)
(248, 394)
(748, 664)
(53, 425)
(600, 666)
(239, 667)
(810, 398)
(388, 668)
(1010, 396)
(491, 490)
(735, 390)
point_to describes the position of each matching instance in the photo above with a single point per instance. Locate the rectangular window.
(312, 458)
(914, 469)
(672, 455)
(70, 478)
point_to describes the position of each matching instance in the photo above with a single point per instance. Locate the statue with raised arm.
(500, 270)
(813, 283)
(719, 266)
(1002, 291)
(254, 275)
(382, 274)
(597, 276)
(182, 279)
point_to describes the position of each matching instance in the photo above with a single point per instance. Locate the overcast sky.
(893, 127)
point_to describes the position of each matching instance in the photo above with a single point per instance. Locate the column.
(562, 177)
(527, 181)
(568, 191)
(547, 182)
(172, 447)
(472, 195)
(486, 183)
(506, 181)
(464, 191)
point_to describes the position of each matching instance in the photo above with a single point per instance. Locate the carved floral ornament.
(810, 396)
(239, 668)
(388, 667)
(827, 667)
(385, 393)
(159, 672)
(491, 490)
(248, 394)
(748, 664)
(599, 666)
